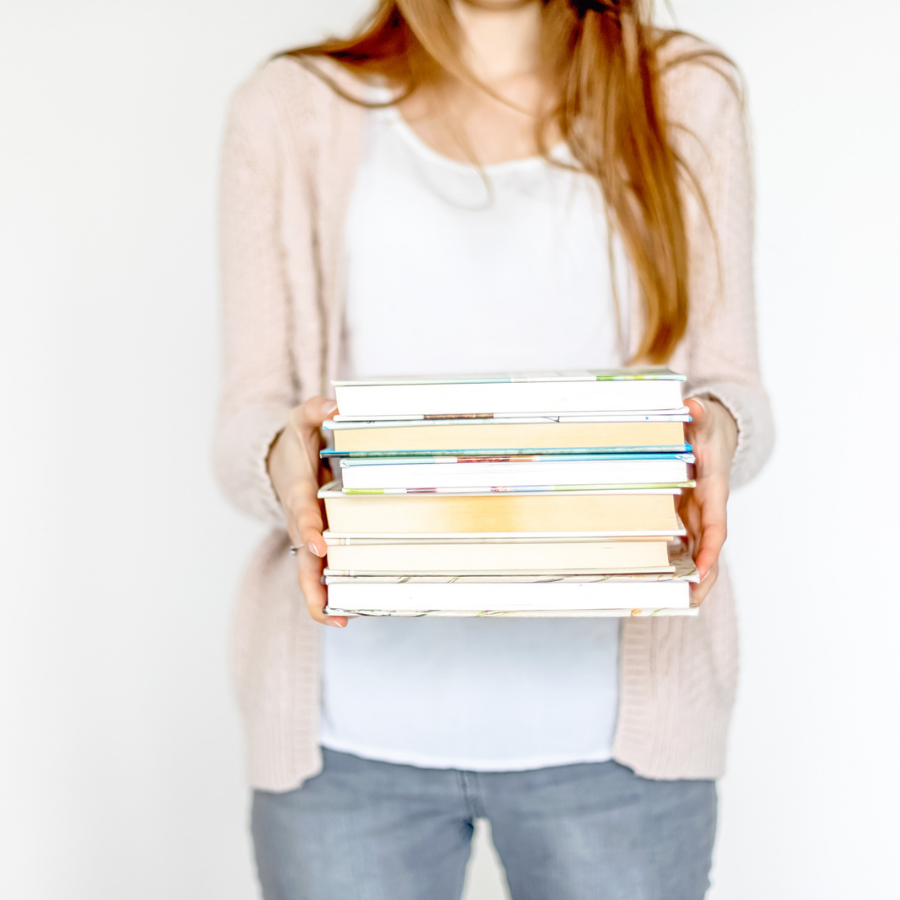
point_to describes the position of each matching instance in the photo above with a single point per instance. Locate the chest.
(451, 268)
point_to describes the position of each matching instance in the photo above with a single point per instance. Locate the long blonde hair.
(603, 57)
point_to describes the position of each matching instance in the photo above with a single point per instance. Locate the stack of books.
(544, 494)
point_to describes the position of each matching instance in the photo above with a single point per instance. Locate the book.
(540, 494)
(682, 569)
(411, 596)
(468, 557)
(476, 595)
(647, 612)
(594, 514)
(529, 394)
(347, 540)
(490, 436)
(546, 471)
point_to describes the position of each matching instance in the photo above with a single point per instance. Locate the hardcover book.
(627, 594)
(545, 471)
(594, 514)
(514, 557)
(490, 436)
(530, 394)
(644, 612)
(539, 494)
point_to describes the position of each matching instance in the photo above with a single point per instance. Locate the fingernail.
(699, 403)
(704, 577)
(313, 548)
(333, 623)
(329, 407)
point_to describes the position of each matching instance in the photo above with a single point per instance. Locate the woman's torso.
(452, 270)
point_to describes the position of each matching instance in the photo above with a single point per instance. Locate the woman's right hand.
(293, 465)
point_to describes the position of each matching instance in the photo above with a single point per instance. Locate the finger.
(309, 529)
(315, 411)
(712, 502)
(314, 592)
(303, 491)
(711, 541)
(689, 514)
(694, 510)
(700, 591)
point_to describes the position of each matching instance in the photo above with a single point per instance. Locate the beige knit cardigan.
(292, 149)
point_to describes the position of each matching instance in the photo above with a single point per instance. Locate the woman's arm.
(258, 389)
(723, 357)
(266, 443)
(732, 432)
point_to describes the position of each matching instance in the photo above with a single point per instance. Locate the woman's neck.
(493, 119)
(500, 40)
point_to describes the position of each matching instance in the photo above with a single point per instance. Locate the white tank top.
(454, 270)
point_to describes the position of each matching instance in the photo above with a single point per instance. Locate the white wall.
(120, 752)
(809, 805)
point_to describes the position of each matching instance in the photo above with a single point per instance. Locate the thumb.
(699, 412)
(316, 410)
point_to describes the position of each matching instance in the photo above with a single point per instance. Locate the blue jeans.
(368, 830)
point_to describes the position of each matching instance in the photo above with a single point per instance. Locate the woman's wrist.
(726, 426)
(273, 462)
(720, 424)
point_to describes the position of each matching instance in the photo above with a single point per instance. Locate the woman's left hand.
(713, 436)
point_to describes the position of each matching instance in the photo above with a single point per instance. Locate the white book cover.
(484, 595)
(409, 595)
(524, 471)
(335, 489)
(340, 422)
(518, 613)
(583, 392)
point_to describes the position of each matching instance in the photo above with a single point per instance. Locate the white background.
(121, 760)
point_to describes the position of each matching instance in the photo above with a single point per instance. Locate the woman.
(451, 190)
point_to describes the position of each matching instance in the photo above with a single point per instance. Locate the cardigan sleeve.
(258, 383)
(721, 344)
